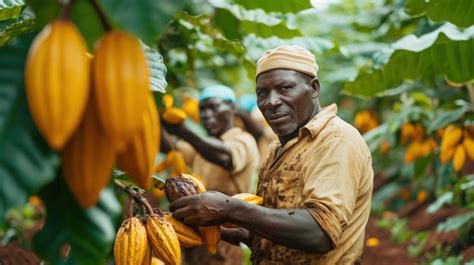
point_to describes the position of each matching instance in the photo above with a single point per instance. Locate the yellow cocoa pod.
(452, 136)
(163, 239)
(407, 132)
(248, 197)
(413, 152)
(147, 259)
(161, 167)
(88, 160)
(446, 155)
(419, 132)
(138, 159)
(177, 163)
(211, 235)
(131, 243)
(186, 235)
(156, 261)
(468, 144)
(121, 85)
(57, 75)
(174, 116)
(459, 158)
(198, 181)
(191, 108)
(168, 101)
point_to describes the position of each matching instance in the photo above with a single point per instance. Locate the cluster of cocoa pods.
(97, 110)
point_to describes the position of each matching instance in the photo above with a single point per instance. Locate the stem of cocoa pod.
(103, 19)
(470, 91)
(67, 9)
(136, 195)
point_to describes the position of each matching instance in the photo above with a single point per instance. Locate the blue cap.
(247, 102)
(218, 91)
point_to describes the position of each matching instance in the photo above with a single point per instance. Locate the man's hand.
(204, 209)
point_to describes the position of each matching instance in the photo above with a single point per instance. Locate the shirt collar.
(317, 123)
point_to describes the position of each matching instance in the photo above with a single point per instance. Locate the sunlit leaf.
(446, 51)
(458, 12)
(282, 6)
(10, 9)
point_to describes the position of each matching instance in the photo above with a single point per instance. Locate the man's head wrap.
(288, 57)
(218, 91)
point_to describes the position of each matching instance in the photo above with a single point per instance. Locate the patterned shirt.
(327, 170)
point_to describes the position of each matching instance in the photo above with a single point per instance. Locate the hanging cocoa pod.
(121, 85)
(57, 75)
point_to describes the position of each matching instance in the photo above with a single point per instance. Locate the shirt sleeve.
(330, 185)
(188, 151)
(240, 150)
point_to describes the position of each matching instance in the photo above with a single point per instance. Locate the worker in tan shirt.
(316, 184)
(226, 160)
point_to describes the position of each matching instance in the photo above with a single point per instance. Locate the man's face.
(286, 99)
(216, 115)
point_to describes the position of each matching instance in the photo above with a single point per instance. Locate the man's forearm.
(211, 149)
(293, 228)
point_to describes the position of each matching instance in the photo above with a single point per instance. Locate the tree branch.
(136, 195)
(102, 17)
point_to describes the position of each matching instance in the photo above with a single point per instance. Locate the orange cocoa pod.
(121, 85)
(174, 116)
(138, 159)
(88, 160)
(57, 75)
(163, 239)
(211, 235)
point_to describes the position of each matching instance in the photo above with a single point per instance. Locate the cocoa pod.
(446, 155)
(57, 79)
(121, 85)
(175, 160)
(186, 235)
(191, 108)
(131, 243)
(180, 186)
(174, 116)
(163, 239)
(138, 159)
(88, 160)
(459, 158)
(451, 137)
(211, 235)
(468, 144)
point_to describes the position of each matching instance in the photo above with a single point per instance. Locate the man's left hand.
(204, 209)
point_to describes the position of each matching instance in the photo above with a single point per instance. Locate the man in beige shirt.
(226, 160)
(316, 183)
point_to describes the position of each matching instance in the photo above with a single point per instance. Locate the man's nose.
(273, 100)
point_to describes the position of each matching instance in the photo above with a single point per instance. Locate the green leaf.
(458, 12)
(26, 161)
(89, 233)
(91, 28)
(45, 11)
(443, 118)
(440, 201)
(157, 69)
(456, 222)
(446, 51)
(10, 9)
(280, 6)
(251, 21)
(146, 19)
(9, 29)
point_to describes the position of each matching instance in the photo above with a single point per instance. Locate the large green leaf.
(446, 51)
(250, 21)
(89, 233)
(456, 222)
(26, 161)
(9, 29)
(459, 12)
(282, 6)
(157, 69)
(10, 9)
(146, 19)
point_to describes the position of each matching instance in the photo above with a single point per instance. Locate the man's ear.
(315, 86)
